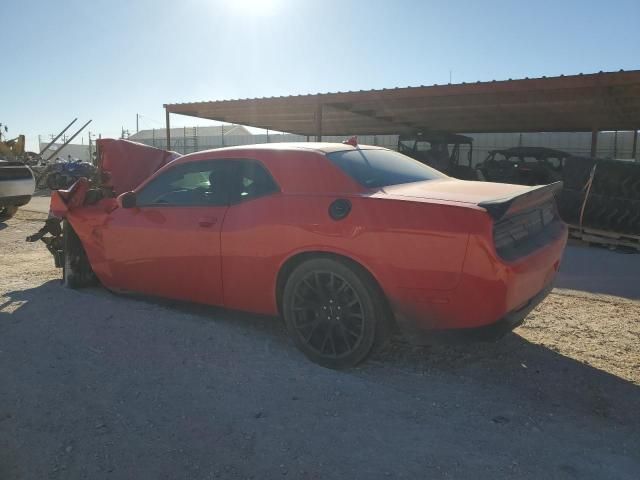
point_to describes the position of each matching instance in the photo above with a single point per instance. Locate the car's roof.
(324, 147)
(296, 167)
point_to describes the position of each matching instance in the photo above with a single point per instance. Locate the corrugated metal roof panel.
(565, 103)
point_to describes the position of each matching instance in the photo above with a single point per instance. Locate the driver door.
(168, 245)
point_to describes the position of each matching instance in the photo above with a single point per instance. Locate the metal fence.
(610, 144)
(193, 144)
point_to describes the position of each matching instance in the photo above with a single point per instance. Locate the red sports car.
(345, 241)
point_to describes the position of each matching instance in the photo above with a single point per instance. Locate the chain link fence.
(617, 145)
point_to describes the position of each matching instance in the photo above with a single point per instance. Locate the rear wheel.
(7, 212)
(334, 312)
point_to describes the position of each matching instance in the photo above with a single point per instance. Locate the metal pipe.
(59, 135)
(68, 141)
(635, 144)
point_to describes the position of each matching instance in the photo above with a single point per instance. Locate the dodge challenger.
(346, 242)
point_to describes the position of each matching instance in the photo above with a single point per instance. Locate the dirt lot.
(100, 386)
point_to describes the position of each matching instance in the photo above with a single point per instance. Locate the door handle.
(207, 221)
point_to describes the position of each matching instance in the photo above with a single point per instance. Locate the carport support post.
(319, 123)
(168, 127)
(594, 142)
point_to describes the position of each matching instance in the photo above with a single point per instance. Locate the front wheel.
(334, 312)
(76, 270)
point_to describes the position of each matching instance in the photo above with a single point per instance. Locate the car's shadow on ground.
(3, 225)
(511, 377)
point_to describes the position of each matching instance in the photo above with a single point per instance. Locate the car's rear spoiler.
(502, 207)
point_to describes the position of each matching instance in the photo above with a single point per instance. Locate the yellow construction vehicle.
(12, 149)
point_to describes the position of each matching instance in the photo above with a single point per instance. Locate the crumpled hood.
(124, 165)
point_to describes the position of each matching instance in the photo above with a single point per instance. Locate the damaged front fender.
(62, 202)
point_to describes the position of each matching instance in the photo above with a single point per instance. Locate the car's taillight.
(514, 231)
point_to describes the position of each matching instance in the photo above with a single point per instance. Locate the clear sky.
(108, 60)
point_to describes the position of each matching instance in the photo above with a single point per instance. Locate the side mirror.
(127, 200)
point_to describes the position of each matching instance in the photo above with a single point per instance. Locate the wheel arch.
(289, 265)
(74, 252)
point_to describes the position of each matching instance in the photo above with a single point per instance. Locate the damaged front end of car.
(122, 166)
(62, 201)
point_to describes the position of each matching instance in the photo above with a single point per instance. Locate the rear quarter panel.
(412, 249)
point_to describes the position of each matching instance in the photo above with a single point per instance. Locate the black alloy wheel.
(333, 312)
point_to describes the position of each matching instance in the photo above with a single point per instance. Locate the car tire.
(335, 312)
(76, 270)
(7, 212)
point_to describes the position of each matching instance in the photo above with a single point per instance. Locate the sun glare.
(255, 7)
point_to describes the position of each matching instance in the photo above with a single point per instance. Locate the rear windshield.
(381, 168)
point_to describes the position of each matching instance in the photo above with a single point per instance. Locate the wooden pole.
(168, 127)
(319, 123)
(594, 142)
(90, 156)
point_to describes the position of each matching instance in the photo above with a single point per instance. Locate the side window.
(189, 184)
(252, 180)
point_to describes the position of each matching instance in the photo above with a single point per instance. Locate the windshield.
(381, 168)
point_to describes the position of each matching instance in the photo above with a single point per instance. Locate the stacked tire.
(613, 203)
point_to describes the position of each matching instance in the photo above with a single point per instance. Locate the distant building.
(77, 152)
(192, 139)
(189, 132)
(182, 132)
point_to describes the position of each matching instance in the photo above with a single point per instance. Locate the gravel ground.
(101, 386)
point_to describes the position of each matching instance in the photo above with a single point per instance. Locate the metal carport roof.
(585, 102)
